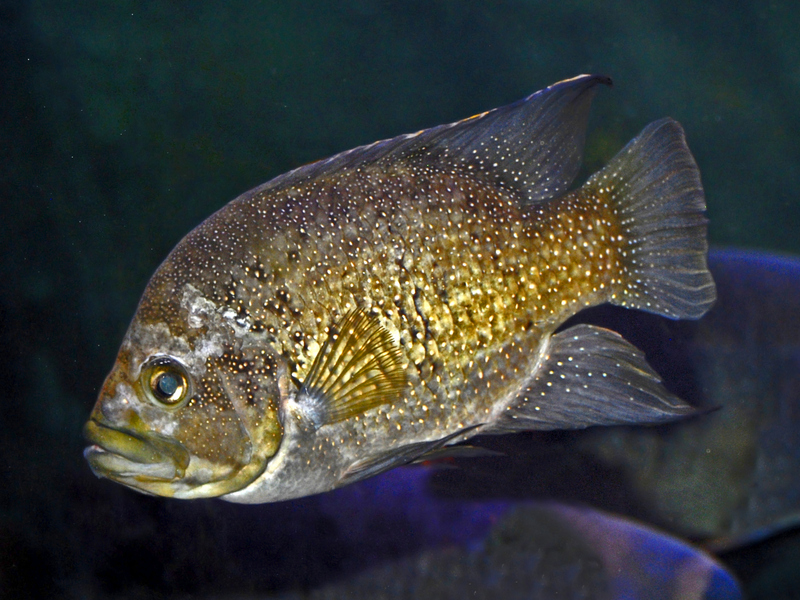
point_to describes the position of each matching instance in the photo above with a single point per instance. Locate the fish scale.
(480, 291)
(374, 308)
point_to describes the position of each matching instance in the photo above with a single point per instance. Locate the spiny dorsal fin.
(533, 146)
(359, 367)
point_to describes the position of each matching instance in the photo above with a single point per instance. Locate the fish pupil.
(166, 385)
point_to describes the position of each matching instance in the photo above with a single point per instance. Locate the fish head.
(191, 407)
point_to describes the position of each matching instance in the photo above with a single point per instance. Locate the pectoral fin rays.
(359, 367)
(590, 376)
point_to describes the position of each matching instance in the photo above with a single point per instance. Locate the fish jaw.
(155, 464)
(123, 455)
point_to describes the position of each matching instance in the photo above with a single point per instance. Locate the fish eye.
(165, 382)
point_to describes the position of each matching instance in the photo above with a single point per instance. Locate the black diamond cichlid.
(370, 310)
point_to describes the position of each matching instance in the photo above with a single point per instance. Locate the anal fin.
(590, 376)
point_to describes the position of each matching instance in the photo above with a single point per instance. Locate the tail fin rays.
(655, 187)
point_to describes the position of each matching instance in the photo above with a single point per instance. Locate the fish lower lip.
(118, 453)
(115, 466)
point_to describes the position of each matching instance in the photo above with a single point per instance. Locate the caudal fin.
(654, 185)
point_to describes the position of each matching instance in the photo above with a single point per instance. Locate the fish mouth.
(131, 457)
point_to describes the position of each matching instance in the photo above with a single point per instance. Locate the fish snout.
(122, 454)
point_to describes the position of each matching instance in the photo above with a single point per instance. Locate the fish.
(395, 540)
(533, 549)
(372, 309)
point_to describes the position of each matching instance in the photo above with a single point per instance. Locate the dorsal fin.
(533, 146)
(359, 367)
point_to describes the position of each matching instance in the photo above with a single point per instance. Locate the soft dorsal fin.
(359, 367)
(533, 146)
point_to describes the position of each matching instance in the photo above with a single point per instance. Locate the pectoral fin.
(359, 367)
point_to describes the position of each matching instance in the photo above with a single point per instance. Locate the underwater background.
(125, 124)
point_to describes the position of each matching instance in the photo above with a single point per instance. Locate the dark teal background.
(124, 124)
